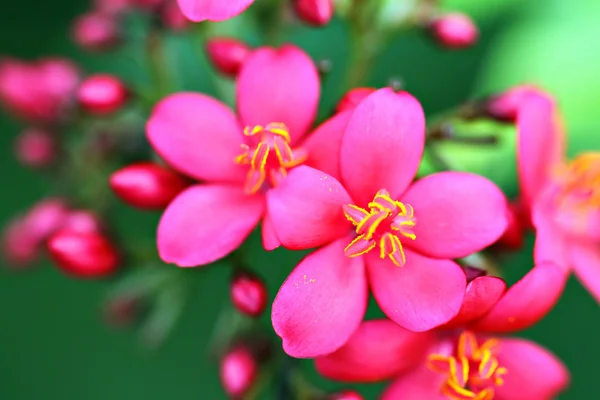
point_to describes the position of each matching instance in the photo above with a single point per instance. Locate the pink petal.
(550, 242)
(533, 372)
(322, 302)
(527, 301)
(306, 209)
(382, 145)
(378, 350)
(269, 236)
(540, 142)
(205, 223)
(586, 265)
(323, 145)
(457, 214)
(197, 135)
(212, 10)
(481, 295)
(279, 85)
(422, 294)
(419, 384)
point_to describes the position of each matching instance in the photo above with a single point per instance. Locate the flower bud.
(82, 221)
(35, 148)
(238, 372)
(102, 94)
(227, 54)
(353, 98)
(314, 12)
(96, 31)
(147, 185)
(173, 18)
(455, 31)
(19, 247)
(84, 255)
(248, 294)
(347, 395)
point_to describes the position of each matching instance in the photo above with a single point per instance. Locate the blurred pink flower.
(212, 10)
(96, 31)
(36, 148)
(461, 360)
(240, 158)
(378, 229)
(40, 91)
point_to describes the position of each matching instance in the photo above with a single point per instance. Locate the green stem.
(157, 61)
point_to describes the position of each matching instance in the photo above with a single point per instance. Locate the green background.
(53, 342)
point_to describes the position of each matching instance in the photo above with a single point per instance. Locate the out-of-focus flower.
(353, 98)
(35, 147)
(82, 221)
(314, 12)
(83, 254)
(102, 94)
(346, 395)
(238, 372)
(239, 157)
(379, 230)
(112, 6)
(96, 31)
(248, 294)
(40, 91)
(23, 239)
(147, 185)
(461, 358)
(212, 10)
(172, 17)
(455, 31)
(563, 197)
(227, 54)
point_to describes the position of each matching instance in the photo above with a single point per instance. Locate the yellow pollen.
(383, 224)
(270, 157)
(580, 181)
(473, 372)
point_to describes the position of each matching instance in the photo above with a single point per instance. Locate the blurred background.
(54, 343)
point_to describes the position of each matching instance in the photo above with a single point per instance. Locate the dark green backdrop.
(53, 344)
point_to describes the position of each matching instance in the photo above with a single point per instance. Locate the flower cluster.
(349, 187)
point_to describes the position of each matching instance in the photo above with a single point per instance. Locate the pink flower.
(462, 360)
(378, 229)
(212, 10)
(562, 197)
(240, 158)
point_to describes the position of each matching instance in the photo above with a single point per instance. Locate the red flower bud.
(347, 395)
(173, 18)
(248, 294)
(102, 94)
(147, 185)
(455, 31)
(227, 54)
(314, 12)
(514, 235)
(35, 148)
(238, 372)
(353, 98)
(85, 255)
(96, 31)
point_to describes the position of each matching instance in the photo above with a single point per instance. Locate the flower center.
(383, 224)
(580, 182)
(270, 157)
(473, 372)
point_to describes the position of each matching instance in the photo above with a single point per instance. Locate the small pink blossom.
(212, 10)
(36, 148)
(378, 229)
(239, 157)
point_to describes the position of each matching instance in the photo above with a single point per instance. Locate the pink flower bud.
(353, 98)
(147, 185)
(46, 217)
(82, 221)
(238, 372)
(19, 247)
(248, 294)
(314, 12)
(504, 107)
(102, 94)
(96, 31)
(84, 255)
(455, 31)
(347, 395)
(173, 18)
(35, 148)
(227, 54)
